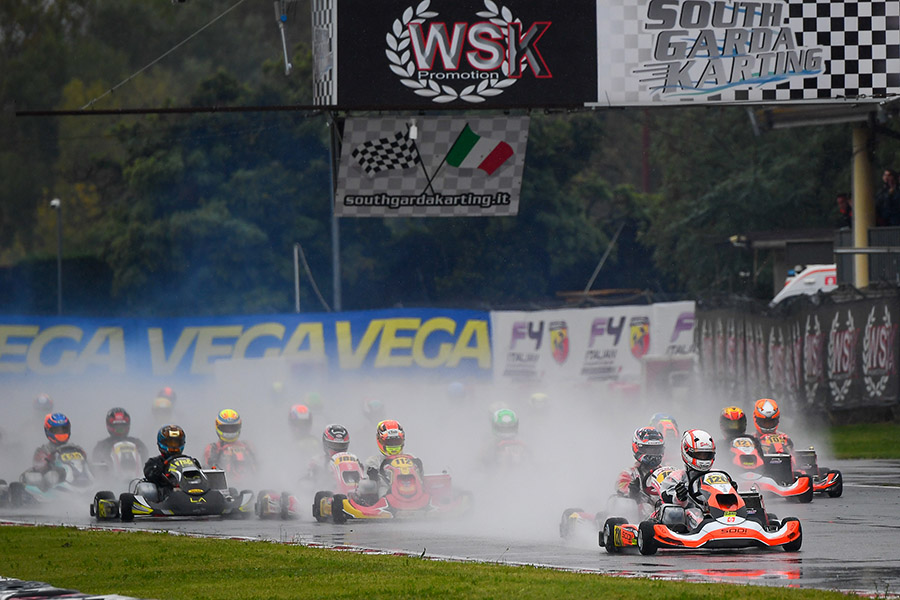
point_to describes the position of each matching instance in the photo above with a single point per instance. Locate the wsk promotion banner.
(389, 341)
(431, 167)
(545, 53)
(832, 357)
(459, 53)
(590, 344)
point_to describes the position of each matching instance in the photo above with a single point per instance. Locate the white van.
(808, 281)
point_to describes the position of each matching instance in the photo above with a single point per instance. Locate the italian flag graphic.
(471, 151)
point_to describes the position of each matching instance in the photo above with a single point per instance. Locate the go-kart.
(195, 492)
(576, 523)
(237, 461)
(729, 520)
(509, 454)
(123, 464)
(409, 494)
(69, 474)
(770, 471)
(346, 473)
(805, 462)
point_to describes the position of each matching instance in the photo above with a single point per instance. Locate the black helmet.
(170, 440)
(118, 422)
(648, 446)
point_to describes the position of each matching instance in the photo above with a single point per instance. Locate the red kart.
(730, 520)
(770, 472)
(805, 462)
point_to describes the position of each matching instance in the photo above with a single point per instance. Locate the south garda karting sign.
(766, 51)
(391, 341)
(454, 53)
(605, 344)
(431, 167)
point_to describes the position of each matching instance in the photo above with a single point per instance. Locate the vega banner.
(390, 342)
(431, 167)
(589, 344)
(454, 53)
(767, 51)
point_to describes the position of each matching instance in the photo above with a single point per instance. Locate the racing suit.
(238, 455)
(778, 443)
(635, 483)
(668, 494)
(103, 449)
(156, 469)
(43, 464)
(375, 470)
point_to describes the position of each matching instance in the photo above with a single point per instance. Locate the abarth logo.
(497, 47)
(559, 340)
(640, 336)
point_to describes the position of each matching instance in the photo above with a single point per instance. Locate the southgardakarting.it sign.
(456, 53)
(431, 167)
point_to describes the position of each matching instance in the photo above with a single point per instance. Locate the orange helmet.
(766, 415)
(733, 421)
(390, 437)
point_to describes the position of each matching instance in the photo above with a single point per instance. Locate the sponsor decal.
(523, 357)
(559, 340)
(842, 359)
(464, 60)
(813, 357)
(681, 342)
(776, 359)
(640, 336)
(878, 351)
(601, 363)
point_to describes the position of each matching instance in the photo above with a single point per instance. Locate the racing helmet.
(733, 422)
(162, 408)
(538, 401)
(666, 425)
(43, 404)
(228, 425)
(373, 409)
(505, 423)
(698, 450)
(335, 439)
(118, 422)
(300, 420)
(390, 437)
(170, 440)
(57, 428)
(766, 415)
(167, 393)
(313, 400)
(648, 446)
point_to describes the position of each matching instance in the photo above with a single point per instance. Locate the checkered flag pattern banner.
(324, 67)
(394, 152)
(782, 51)
(435, 188)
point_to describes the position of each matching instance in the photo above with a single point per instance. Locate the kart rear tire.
(645, 540)
(126, 504)
(337, 509)
(95, 505)
(564, 529)
(837, 489)
(607, 537)
(317, 503)
(807, 496)
(16, 494)
(794, 545)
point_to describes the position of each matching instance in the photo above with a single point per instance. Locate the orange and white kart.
(730, 520)
(410, 493)
(770, 472)
(575, 523)
(805, 462)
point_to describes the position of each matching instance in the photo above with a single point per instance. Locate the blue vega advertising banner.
(388, 341)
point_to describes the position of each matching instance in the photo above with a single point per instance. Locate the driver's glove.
(634, 489)
(681, 491)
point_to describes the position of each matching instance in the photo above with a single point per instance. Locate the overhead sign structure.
(543, 53)
(431, 167)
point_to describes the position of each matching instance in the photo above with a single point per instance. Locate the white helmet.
(698, 450)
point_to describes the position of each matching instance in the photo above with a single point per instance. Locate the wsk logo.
(495, 49)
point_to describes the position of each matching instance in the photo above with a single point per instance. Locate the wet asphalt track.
(851, 543)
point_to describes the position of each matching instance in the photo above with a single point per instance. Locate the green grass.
(866, 440)
(164, 566)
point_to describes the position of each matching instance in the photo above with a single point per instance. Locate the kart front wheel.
(793, 545)
(607, 536)
(96, 511)
(837, 489)
(337, 509)
(646, 539)
(806, 496)
(16, 494)
(317, 507)
(565, 528)
(126, 504)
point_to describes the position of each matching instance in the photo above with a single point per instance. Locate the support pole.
(863, 202)
(335, 223)
(297, 278)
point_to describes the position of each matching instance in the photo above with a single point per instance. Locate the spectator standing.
(887, 201)
(844, 211)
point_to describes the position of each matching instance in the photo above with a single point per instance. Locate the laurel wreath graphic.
(400, 57)
(874, 386)
(812, 385)
(838, 390)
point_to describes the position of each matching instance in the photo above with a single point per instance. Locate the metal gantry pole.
(57, 204)
(335, 221)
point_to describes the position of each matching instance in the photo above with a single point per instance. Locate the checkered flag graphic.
(395, 152)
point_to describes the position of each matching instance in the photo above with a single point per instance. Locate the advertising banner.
(391, 341)
(589, 344)
(769, 51)
(431, 167)
(454, 53)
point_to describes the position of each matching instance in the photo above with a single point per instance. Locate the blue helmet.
(170, 440)
(57, 428)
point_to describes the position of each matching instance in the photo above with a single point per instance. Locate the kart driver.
(698, 452)
(766, 417)
(390, 438)
(170, 441)
(57, 428)
(229, 452)
(118, 424)
(505, 448)
(733, 423)
(335, 439)
(666, 425)
(648, 447)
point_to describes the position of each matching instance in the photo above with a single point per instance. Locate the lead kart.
(729, 520)
(769, 472)
(69, 476)
(410, 493)
(195, 492)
